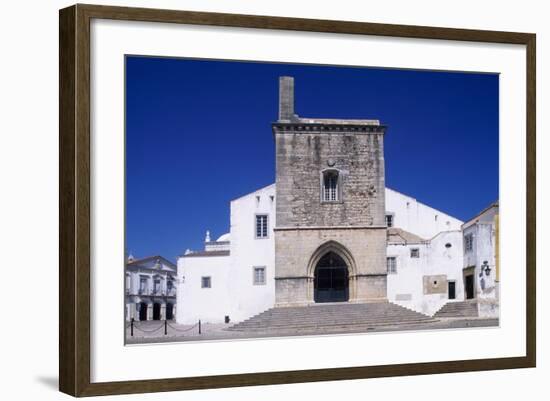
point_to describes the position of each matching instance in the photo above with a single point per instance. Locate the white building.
(424, 275)
(410, 215)
(233, 278)
(481, 268)
(150, 288)
(340, 235)
(424, 255)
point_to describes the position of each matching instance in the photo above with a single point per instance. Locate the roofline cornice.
(288, 127)
(135, 262)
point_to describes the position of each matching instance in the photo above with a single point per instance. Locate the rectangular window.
(259, 275)
(143, 284)
(415, 253)
(389, 220)
(206, 282)
(469, 242)
(391, 264)
(157, 286)
(261, 226)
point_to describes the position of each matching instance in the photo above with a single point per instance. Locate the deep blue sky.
(198, 134)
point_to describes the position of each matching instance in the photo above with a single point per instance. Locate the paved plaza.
(154, 331)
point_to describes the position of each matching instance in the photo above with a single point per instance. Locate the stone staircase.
(458, 309)
(331, 318)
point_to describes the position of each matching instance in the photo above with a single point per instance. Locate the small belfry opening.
(331, 279)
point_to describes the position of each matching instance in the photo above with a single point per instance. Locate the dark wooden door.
(143, 311)
(169, 311)
(156, 311)
(452, 290)
(331, 284)
(469, 286)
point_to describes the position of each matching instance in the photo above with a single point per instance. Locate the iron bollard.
(199, 327)
(132, 327)
(165, 327)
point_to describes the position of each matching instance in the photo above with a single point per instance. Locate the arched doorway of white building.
(156, 311)
(169, 311)
(331, 279)
(142, 311)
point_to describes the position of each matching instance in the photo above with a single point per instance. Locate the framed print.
(249, 200)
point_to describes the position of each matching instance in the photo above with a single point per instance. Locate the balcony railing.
(152, 292)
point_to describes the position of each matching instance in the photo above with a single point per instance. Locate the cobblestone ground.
(154, 331)
(160, 329)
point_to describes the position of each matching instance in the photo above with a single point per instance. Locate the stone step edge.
(321, 324)
(339, 326)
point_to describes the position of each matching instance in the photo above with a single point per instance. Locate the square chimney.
(286, 99)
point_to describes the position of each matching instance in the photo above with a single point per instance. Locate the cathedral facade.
(328, 230)
(330, 238)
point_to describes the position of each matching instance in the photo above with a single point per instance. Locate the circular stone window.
(448, 245)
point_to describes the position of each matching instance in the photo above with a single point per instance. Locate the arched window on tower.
(331, 186)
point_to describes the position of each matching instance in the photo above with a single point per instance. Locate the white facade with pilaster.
(480, 260)
(150, 289)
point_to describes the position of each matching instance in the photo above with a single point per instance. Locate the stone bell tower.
(330, 238)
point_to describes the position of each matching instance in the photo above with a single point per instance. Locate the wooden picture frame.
(74, 203)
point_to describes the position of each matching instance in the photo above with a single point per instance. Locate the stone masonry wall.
(302, 156)
(294, 249)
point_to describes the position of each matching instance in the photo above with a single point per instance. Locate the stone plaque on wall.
(435, 284)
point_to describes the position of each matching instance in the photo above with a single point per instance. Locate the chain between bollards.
(132, 326)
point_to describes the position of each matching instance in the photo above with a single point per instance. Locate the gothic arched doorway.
(331, 279)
